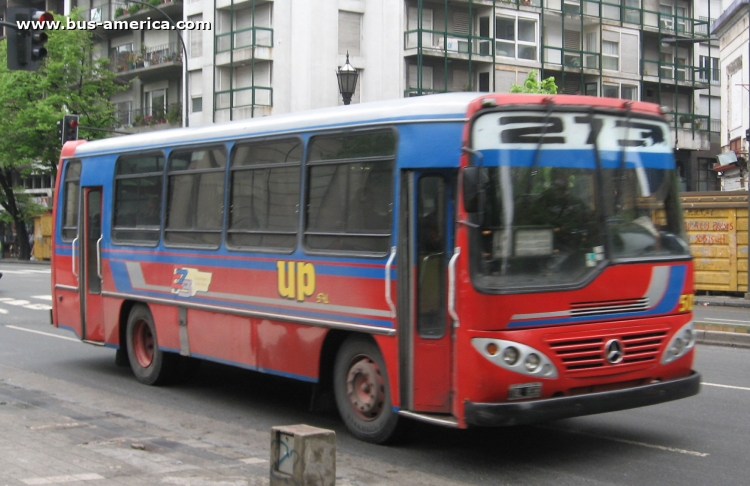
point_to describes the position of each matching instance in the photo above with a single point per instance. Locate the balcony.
(151, 62)
(124, 13)
(245, 45)
(142, 120)
(450, 44)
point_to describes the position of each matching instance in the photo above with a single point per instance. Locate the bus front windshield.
(563, 193)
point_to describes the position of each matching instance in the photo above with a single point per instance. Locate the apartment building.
(277, 56)
(733, 30)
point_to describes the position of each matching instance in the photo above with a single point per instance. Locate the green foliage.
(70, 80)
(532, 85)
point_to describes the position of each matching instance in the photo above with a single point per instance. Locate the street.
(66, 410)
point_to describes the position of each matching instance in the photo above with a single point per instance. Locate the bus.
(462, 259)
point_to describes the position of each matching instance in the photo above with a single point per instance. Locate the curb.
(722, 338)
(733, 302)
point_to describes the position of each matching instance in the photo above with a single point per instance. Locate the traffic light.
(26, 41)
(69, 128)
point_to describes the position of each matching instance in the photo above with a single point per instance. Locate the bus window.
(138, 195)
(70, 214)
(265, 185)
(196, 197)
(350, 192)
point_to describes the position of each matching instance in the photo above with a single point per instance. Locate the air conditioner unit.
(667, 24)
(456, 45)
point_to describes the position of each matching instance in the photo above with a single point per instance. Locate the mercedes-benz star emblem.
(613, 352)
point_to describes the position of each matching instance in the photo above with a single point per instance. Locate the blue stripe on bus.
(123, 284)
(339, 268)
(576, 158)
(666, 304)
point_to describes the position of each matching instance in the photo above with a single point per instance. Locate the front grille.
(608, 307)
(588, 353)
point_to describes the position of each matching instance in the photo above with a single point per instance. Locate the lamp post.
(347, 76)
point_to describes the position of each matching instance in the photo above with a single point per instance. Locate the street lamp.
(347, 76)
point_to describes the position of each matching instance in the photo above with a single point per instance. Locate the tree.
(532, 85)
(71, 80)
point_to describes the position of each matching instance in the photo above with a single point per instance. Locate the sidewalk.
(730, 334)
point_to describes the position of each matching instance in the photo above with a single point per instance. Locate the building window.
(610, 91)
(197, 104)
(628, 92)
(196, 38)
(709, 70)
(156, 103)
(707, 178)
(350, 33)
(611, 55)
(516, 37)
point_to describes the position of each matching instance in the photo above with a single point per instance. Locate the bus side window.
(70, 202)
(196, 197)
(350, 192)
(265, 185)
(138, 189)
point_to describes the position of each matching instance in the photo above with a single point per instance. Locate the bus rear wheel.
(362, 391)
(150, 365)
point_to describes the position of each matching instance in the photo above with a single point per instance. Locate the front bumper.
(518, 413)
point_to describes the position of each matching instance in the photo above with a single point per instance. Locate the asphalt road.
(221, 420)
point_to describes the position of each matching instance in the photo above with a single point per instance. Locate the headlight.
(682, 342)
(515, 357)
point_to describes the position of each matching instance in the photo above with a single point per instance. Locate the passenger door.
(426, 331)
(91, 265)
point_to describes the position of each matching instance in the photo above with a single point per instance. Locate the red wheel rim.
(365, 388)
(143, 343)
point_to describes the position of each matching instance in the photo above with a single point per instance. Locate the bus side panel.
(112, 322)
(224, 337)
(167, 325)
(291, 350)
(389, 348)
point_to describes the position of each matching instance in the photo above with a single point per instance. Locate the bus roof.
(446, 106)
(449, 106)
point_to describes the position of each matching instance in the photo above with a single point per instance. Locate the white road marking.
(44, 333)
(42, 297)
(727, 386)
(254, 460)
(69, 478)
(14, 302)
(57, 426)
(632, 442)
(3, 311)
(38, 307)
(23, 272)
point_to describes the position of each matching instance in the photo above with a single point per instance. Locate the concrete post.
(302, 455)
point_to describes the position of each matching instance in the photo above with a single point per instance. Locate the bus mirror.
(473, 188)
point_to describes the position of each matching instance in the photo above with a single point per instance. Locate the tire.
(150, 365)
(362, 390)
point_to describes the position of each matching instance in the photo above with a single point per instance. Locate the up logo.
(296, 279)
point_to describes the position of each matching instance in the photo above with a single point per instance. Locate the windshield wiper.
(621, 168)
(537, 151)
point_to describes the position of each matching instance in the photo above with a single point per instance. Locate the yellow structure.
(717, 228)
(42, 237)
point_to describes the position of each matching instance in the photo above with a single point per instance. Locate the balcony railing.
(116, 10)
(571, 58)
(690, 121)
(239, 39)
(449, 42)
(128, 60)
(171, 114)
(241, 97)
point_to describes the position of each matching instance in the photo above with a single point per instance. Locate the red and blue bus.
(461, 259)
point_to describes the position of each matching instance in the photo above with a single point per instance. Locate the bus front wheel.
(362, 391)
(150, 365)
